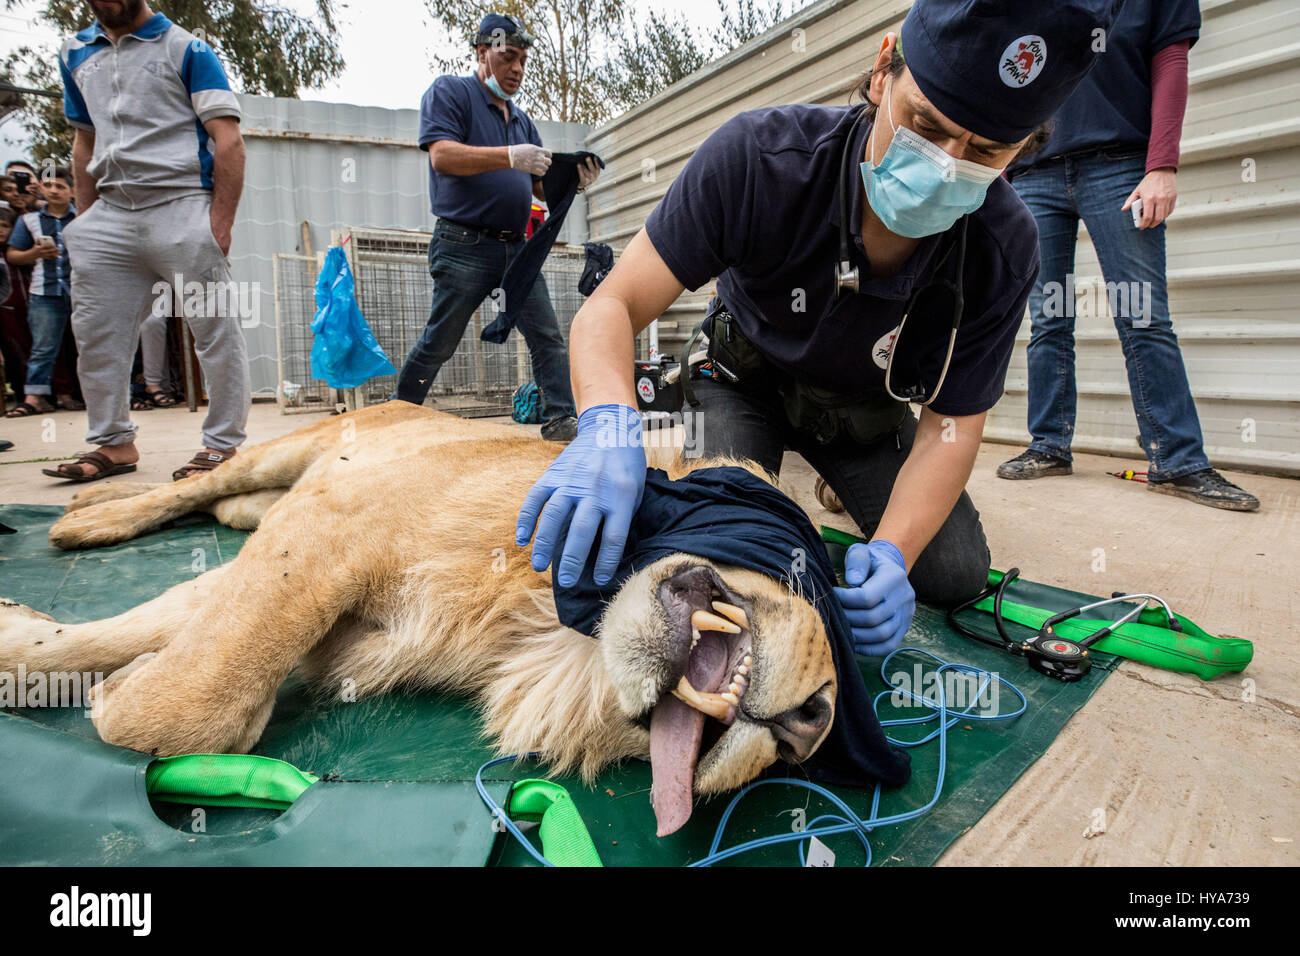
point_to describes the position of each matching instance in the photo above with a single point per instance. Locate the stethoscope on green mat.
(1047, 652)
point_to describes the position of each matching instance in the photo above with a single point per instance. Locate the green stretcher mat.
(391, 780)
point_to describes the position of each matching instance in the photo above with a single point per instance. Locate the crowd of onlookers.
(38, 351)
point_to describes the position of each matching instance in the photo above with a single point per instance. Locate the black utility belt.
(825, 414)
(501, 235)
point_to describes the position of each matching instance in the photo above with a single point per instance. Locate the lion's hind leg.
(212, 687)
(273, 465)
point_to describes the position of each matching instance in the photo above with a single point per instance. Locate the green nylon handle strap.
(565, 840)
(226, 780)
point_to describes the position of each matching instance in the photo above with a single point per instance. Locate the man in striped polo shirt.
(159, 165)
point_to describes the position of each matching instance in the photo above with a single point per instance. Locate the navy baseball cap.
(1000, 68)
(512, 32)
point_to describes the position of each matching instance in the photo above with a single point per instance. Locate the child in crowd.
(9, 193)
(37, 240)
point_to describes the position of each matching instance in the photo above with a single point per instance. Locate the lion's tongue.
(675, 732)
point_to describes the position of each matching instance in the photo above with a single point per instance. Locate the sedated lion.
(384, 553)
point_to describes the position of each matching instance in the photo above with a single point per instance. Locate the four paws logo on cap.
(1022, 61)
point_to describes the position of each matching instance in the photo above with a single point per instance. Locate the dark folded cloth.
(600, 259)
(560, 185)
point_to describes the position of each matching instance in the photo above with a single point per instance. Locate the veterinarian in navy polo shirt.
(805, 346)
(486, 163)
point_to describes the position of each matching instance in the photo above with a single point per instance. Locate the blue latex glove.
(599, 477)
(879, 601)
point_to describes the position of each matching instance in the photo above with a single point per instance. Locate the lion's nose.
(799, 730)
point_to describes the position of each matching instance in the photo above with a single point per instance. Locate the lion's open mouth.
(714, 647)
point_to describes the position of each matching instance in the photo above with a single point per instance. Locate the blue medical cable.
(849, 822)
(499, 812)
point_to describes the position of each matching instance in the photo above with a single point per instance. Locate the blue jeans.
(47, 316)
(1093, 187)
(466, 268)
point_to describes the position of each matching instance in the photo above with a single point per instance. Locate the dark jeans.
(466, 268)
(1093, 187)
(747, 424)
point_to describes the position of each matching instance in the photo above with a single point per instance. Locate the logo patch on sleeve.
(1022, 61)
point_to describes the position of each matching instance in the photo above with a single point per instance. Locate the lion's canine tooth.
(695, 636)
(714, 705)
(706, 621)
(731, 612)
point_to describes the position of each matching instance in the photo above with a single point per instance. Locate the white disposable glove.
(588, 173)
(531, 159)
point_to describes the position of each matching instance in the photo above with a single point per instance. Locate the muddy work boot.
(1034, 464)
(1208, 487)
(561, 429)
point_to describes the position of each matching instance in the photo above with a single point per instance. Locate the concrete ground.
(1176, 770)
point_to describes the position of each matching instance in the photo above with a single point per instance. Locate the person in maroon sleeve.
(1112, 160)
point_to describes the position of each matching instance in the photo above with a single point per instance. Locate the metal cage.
(394, 290)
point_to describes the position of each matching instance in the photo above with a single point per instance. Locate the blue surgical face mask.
(917, 189)
(494, 87)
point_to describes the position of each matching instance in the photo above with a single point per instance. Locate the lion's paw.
(101, 523)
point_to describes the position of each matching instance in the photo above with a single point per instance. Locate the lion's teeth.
(734, 689)
(706, 621)
(695, 637)
(731, 612)
(742, 670)
(714, 705)
(747, 661)
(730, 698)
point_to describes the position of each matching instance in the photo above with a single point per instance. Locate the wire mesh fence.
(394, 290)
(295, 306)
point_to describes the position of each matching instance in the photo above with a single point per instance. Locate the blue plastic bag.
(344, 352)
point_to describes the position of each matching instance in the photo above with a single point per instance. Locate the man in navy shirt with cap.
(826, 226)
(1114, 149)
(486, 162)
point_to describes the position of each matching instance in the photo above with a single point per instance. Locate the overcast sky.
(387, 45)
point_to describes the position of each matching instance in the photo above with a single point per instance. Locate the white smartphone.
(45, 240)
(1136, 210)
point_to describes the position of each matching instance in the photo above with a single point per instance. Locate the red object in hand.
(536, 216)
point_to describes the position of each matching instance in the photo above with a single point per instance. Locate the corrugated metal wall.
(1234, 241)
(333, 165)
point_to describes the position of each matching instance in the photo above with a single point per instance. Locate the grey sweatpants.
(126, 262)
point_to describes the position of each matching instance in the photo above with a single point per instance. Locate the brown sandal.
(26, 409)
(107, 468)
(203, 461)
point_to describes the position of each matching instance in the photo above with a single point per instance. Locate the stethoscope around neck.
(848, 280)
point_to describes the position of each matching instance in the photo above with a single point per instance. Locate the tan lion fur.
(384, 558)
